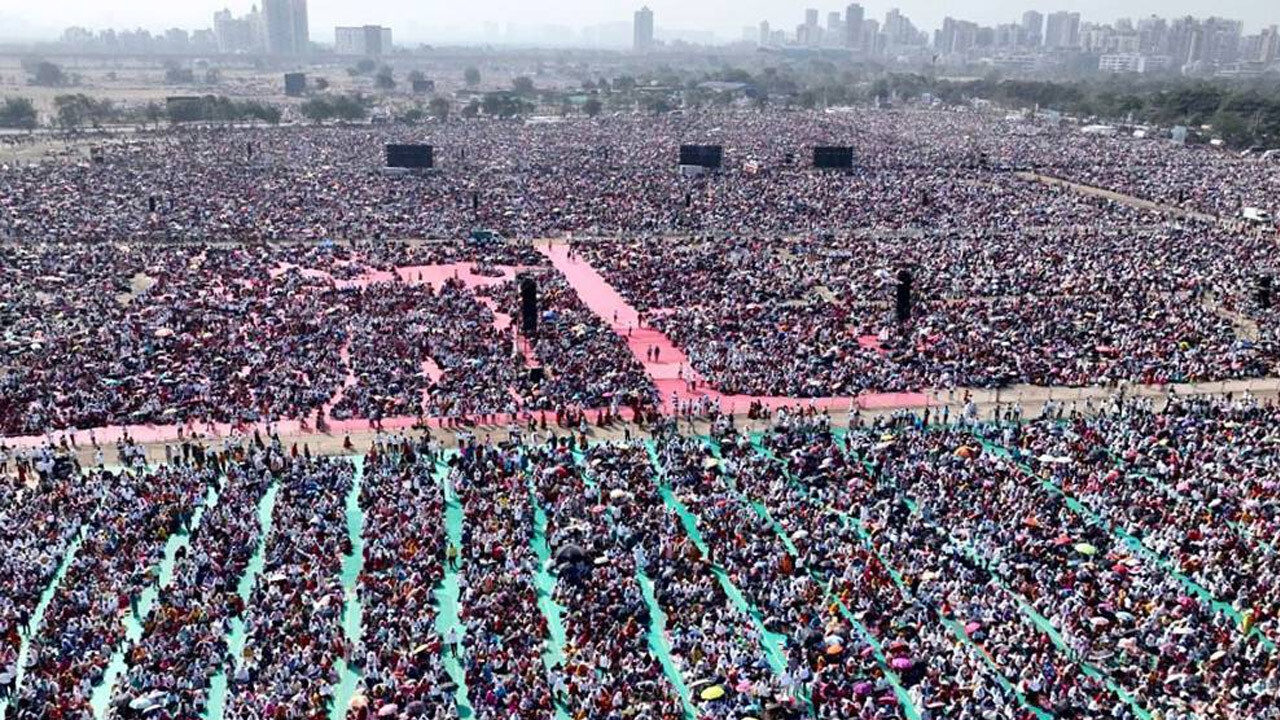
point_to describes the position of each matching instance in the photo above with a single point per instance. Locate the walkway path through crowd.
(671, 370)
(352, 609)
(37, 618)
(449, 622)
(134, 621)
(237, 635)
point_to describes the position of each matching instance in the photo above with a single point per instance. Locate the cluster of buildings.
(1183, 45)
(1037, 42)
(1040, 42)
(279, 27)
(1188, 45)
(139, 42)
(365, 40)
(851, 30)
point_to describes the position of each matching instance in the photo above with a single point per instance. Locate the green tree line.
(1241, 113)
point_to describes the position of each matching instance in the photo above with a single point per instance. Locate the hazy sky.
(410, 19)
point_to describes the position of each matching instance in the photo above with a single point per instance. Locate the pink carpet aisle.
(606, 302)
(595, 292)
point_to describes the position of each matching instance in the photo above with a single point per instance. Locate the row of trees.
(175, 74)
(217, 108)
(18, 113)
(384, 76)
(349, 107)
(70, 112)
(73, 112)
(44, 73)
(1241, 113)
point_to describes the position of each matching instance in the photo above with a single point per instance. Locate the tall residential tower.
(643, 29)
(286, 27)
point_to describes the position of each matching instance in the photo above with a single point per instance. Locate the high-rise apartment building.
(1009, 35)
(643, 30)
(286, 26)
(1062, 30)
(900, 31)
(1032, 28)
(301, 29)
(1221, 40)
(372, 40)
(238, 34)
(956, 36)
(1269, 46)
(854, 16)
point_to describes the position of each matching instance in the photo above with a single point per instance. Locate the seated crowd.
(1112, 565)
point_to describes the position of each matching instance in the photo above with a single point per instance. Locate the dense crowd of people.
(608, 667)
(184, 639)
(816, 317)
(127, 529)
(309, 183)
(39, 523)
(785, 288)
(588, 365)
(174, 335)
(1117, 564)
(1193, 481)
(1024, 668)
(294, 618)
(399, 655)
(122, 335)
(1114, 602)
(507, 633)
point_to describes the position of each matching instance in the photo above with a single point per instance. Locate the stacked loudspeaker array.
(529, 320)
(528, 306)
(902, 308)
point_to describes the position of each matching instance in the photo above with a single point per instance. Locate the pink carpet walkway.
(598, 295)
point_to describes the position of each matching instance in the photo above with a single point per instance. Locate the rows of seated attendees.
(1116, 564)
(313, 183)
(119, 335)
(779, 280)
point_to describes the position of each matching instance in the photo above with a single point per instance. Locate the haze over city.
(440, 21)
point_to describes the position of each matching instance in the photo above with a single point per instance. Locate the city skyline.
(475, 21)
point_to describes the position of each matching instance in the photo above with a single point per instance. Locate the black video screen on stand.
(832, 157)
(418, 157)
(707, 156)
(295, 84)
